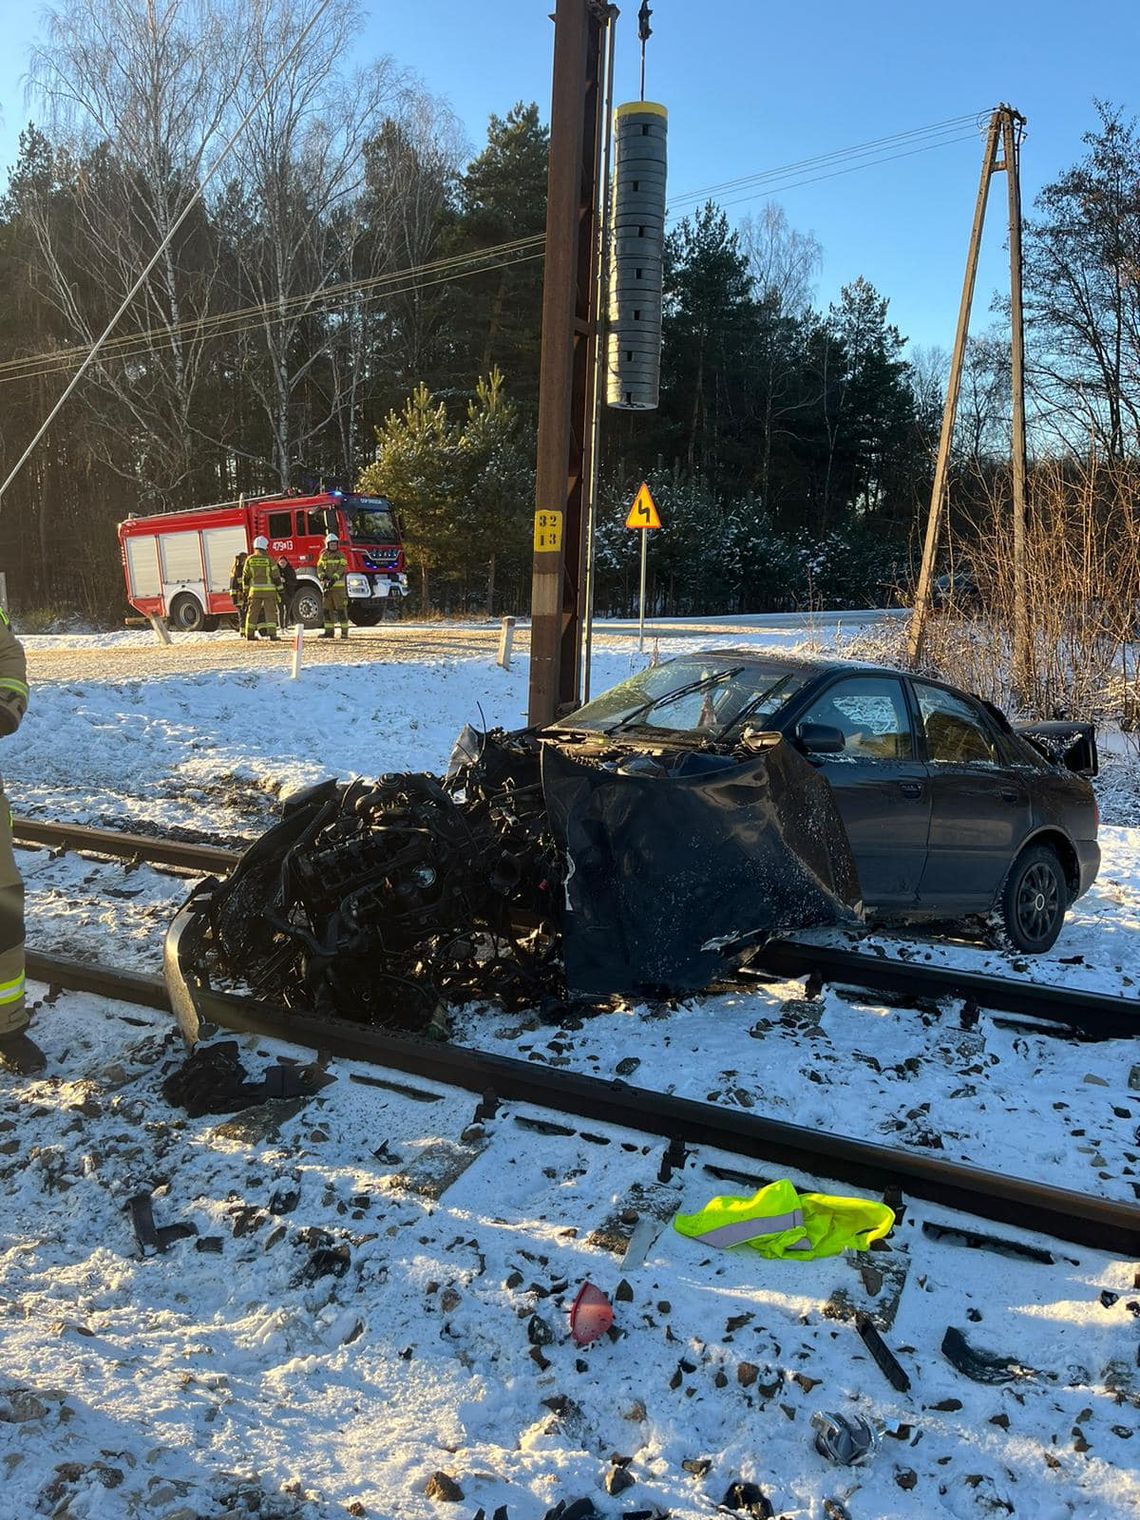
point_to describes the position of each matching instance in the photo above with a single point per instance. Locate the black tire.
(1034, 900)
(186, 615)
(307, 606)
(364, 616)
(210, 624)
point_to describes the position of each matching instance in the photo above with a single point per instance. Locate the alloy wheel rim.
(1037, 901)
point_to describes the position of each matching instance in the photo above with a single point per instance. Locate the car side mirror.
(819, 739)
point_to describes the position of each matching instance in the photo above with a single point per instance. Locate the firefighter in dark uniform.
(17, 1051)
(261, 579)
(332, 568)
(237, 589)
(288, 588)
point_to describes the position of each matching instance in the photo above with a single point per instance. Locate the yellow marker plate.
(547, 532)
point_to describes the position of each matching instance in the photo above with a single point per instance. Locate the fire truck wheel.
(365, 617)
(307, 606)
(186, 615)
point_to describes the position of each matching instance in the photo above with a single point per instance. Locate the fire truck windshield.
(371, 522)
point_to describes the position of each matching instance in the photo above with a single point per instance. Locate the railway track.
(1081, 1218)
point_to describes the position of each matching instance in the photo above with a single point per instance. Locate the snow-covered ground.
(329, 1355)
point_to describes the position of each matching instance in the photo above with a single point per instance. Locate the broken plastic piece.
(981, 1366)
(591, 1314)
(846, 1440)
(152, 1237)
(888, 1363)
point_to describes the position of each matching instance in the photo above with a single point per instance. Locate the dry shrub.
(1082, 585)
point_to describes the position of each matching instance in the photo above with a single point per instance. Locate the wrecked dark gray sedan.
(649, 842)
(951, 813)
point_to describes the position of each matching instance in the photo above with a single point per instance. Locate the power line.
(32, 366)
(250, 318)
(953, 123)
(835, 173)
(165, 242)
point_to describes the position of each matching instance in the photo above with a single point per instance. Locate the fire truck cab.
(177, 564)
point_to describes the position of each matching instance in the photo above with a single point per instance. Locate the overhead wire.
(238, 321)
(819, 160)
(247, 318)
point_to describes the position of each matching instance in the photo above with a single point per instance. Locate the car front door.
(879, 783)
(980, 808)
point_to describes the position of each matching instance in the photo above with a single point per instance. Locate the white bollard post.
(506, 639)
(161, 630)
(298, 645)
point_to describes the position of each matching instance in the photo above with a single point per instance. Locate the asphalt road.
(389, 643)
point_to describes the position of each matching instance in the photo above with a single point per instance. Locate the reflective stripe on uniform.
(9, 683)
(11, 992)
(741, 1230)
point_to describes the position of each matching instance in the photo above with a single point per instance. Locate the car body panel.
(932, 837)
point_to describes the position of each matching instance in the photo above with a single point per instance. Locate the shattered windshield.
(372, 522)
(693, 694)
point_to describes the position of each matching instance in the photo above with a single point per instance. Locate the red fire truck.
(177, 564)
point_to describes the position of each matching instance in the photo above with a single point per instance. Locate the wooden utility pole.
(569, 342)
(1011, 127)
(1005, 125)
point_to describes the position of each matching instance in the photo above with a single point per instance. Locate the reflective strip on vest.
(728, 1235)
(11, 992)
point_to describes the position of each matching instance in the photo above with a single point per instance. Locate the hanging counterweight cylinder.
(637, 247)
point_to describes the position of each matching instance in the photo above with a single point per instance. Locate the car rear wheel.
(1034, 900)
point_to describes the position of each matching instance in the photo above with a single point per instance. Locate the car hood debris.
(545, 867)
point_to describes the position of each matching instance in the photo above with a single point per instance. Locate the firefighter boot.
(20, 1054)
(328, 634)
(344, 631)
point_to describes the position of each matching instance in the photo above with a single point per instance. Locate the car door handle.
(1009, 795)
(910, 788)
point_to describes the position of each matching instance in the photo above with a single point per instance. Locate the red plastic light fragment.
(591, 1314)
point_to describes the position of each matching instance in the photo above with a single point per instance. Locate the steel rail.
(1099, 1015)
(1084, 1219)
(144, 848)
(1095, 1015)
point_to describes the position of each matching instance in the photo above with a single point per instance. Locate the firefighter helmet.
(260, 542)
(331, 540)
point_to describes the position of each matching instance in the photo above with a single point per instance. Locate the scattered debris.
(154, 1238)
(748, 1499)
(212, 1080)
(887, 1362)
(591, 1314)
(846, 1440)
(981, 1366)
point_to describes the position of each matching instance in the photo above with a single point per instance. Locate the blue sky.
(755, 84)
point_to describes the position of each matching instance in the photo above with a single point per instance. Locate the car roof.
(809, 664)
(820, 665)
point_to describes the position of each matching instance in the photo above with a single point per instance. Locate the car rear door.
(879, 783)
(981, 808)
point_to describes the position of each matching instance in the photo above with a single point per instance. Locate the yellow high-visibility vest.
(780, 1222)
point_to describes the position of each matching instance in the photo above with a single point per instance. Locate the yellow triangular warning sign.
(643, 513)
